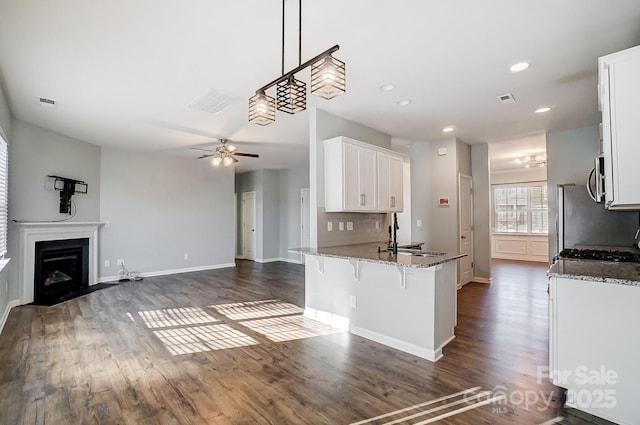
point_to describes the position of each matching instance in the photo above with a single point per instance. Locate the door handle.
(463, 237)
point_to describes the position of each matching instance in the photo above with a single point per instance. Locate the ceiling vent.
(211, 102)
(506, 98)
(47, 102)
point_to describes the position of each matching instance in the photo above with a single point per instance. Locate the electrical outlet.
(341, 226)
(352, 301)
(329, 226)
(419, 223)
(107, 224)
(377, 225)
(186, 256)
(107, 263)
(120, 262)
(349, 225)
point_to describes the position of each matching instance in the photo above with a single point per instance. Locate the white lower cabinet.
(594, 344)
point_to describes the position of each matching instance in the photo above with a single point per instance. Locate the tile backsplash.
(364, 228)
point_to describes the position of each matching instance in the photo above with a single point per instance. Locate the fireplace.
(28, 234)
(61, 268)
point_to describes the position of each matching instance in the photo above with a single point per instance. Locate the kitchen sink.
(419, 253)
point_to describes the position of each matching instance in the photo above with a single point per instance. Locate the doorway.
(465, 264)
(249, 225)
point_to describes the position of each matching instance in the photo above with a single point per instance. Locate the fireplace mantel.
(31, 232)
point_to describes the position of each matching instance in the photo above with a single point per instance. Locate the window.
(4, 185)
(521, 209)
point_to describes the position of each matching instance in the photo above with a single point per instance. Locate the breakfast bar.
(405, 300)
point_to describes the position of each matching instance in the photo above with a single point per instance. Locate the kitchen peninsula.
(406, 301)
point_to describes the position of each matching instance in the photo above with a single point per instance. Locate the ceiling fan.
(224, 155)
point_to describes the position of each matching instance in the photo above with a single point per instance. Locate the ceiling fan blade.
(201, 149)
(205, 156)
(250, 155)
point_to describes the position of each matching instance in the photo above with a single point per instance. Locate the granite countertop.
(368, 252)
(599, 271)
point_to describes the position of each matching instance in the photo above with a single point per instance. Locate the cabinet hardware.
(393, 202)
(363, 199)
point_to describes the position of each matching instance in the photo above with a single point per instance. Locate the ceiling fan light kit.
(225, 155)
(328, 80)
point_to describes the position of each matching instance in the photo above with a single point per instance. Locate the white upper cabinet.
(359, 177)
(619, 99)
(389, 182)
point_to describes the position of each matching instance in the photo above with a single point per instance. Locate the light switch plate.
(329, 226)
(419, 223)
(349, 225)
(341, 226)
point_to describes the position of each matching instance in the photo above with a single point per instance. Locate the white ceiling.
(503, 155)
(123, 72)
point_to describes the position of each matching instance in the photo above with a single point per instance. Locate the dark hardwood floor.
(230, 347)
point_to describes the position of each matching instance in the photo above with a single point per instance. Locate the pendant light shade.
(262, 109)
(292, 96)
(328, 78)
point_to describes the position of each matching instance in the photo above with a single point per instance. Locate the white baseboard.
(481, 279)
(5, 315)
(425, 353)
(172, 271)
(291, 260)
(535, 259)
(273, 260)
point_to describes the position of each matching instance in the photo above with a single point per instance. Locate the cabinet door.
(384, 170)
(395, 183)
(351, 179)
(624, 95)
(367, 179)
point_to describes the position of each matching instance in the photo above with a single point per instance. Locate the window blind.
(4, 188)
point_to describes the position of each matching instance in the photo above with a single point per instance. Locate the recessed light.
(387, 87)
(543, 110)
(519, 67)
(403, 102)
(447, 129)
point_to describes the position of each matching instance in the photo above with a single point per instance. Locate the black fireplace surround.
(61, 269)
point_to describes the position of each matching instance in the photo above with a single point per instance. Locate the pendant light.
(328, 80)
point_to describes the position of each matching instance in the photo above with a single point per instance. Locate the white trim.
(5, 315)
(171, 271)
(431, 355)
(481, 279)
(31, 232)
(275, 259)
(291, 260)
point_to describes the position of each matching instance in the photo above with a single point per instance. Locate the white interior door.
(305, 219)
(465, 212)
(249, 225)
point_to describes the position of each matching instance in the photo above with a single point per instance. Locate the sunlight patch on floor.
(198, 339)
(256, 309)
(170, 317)
(288, 328)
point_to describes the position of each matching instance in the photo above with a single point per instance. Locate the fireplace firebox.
(61, 269)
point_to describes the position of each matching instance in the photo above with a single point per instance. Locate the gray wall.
(291, 181)
(322, 126)
(5, 116)
(481, 211)
(271, 214)
(432, 177)
(161, 208)
(570, 156)
(463, 156)
(35, 153)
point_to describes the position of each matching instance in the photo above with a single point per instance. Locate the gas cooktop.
(599, 254)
